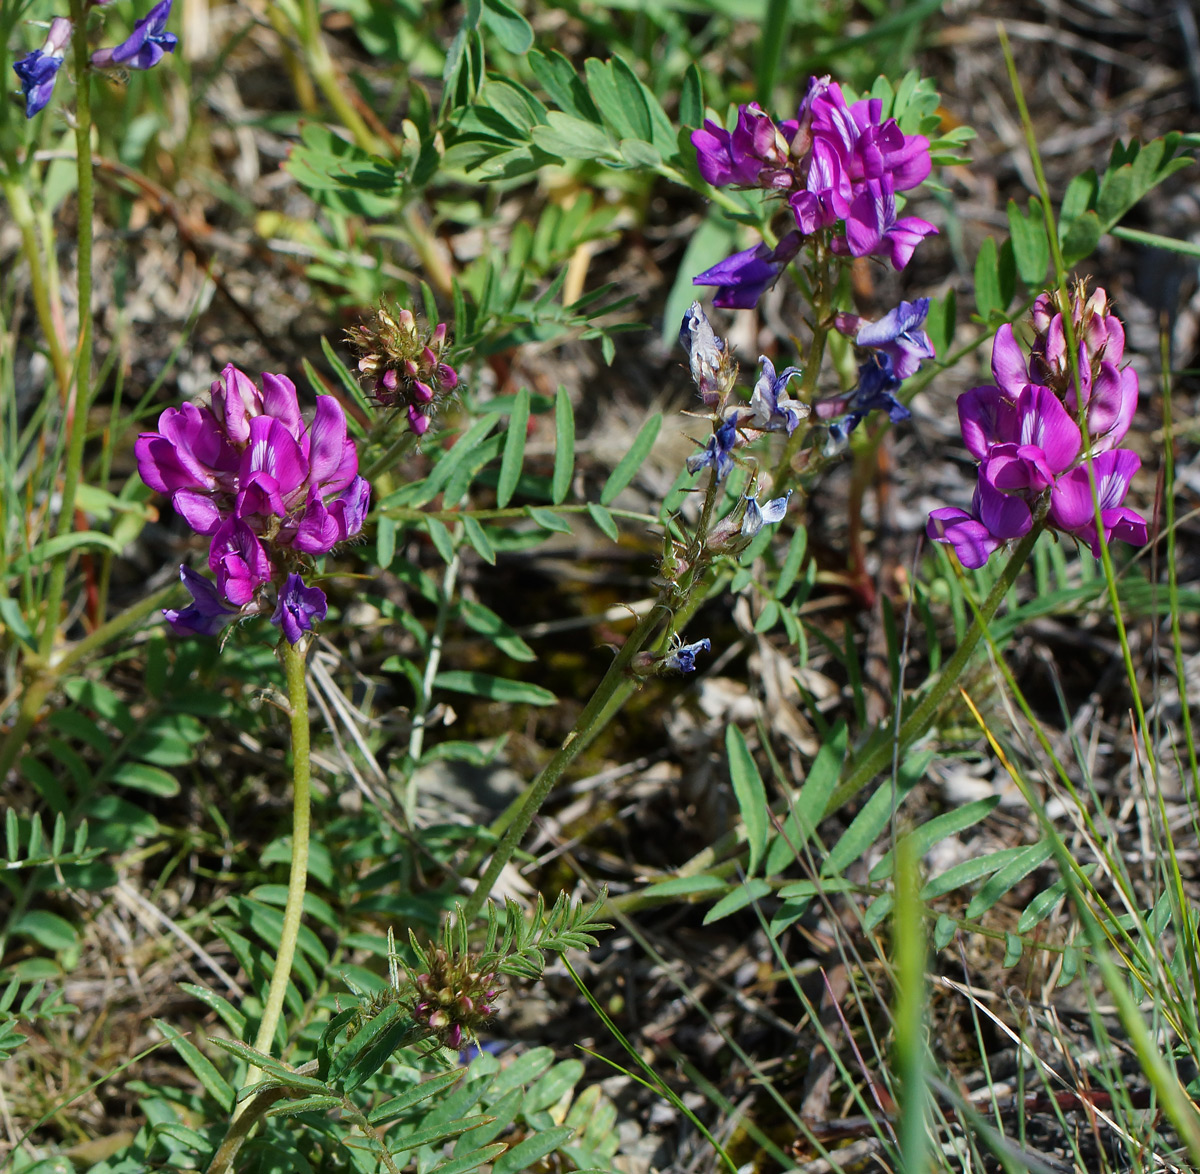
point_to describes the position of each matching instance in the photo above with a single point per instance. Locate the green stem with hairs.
(23, 215)
(297, 690)
(877, 755)
(614, 690)
(77, 411)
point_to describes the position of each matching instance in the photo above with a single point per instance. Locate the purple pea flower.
(898, 334)
(207, 614)
(872, 227)
(1071, 507)
(827, 193)
(746, 276)
(239, 561)
(771, 408)
(754, 154)
(1109, 392)
(718, 452)
(298, 608)
(38, 71)
(145, 45)
(973, 542)
(250, 456)
(683, 658)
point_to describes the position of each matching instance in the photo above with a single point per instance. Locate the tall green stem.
(22, 211)
(877, 755)
(78, 410)
(614, 681)
(297, 688)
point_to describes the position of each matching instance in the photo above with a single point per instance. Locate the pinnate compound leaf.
(1031, 248)
(632, 461)
(564, 446)
(1020, 866)
(751, 795)
(493, 688)
(514, 449)
(531, 1150)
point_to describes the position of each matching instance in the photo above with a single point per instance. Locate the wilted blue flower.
(208, 612)
(746, 276)
(876, 384)
(713, 370)
(718, 453)
(756, 516)
(898, 334)
(771, 408)
(877, 380)
(298, 608)
(683, 658)
(145, 46)
(38, 70)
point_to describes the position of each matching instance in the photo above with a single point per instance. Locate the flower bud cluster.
(453, 1000)
(1025, 432)
(406, 367)
(839, 166)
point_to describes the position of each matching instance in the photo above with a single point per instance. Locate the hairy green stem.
(23, 215)
(247, 1116)
(610, 697)
(877, 754)
(297, 689)
(78, 411)
(614, 682)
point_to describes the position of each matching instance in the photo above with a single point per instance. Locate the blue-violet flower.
(38, 70)
(145, 46)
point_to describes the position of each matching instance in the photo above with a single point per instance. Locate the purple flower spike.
(145, 46)
(207, 614)
(746, 276)
(683, 658)
(898, 334)
(1071, 501)
(299, 608)
(771, 408)
(38, 71)
(718, 453)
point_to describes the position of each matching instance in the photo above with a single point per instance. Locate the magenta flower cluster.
(1025, 432)
(838, 165)
(266, 486)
